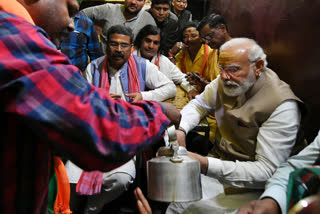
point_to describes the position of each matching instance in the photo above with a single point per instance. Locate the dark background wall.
(289, 31)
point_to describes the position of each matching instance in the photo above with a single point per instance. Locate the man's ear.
(259, 65)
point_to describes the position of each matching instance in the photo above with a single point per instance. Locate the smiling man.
(214, 30)
(120, 63)
(178, 7)
(147, 46)
(258, 118)
(195, 57)
(167, 22)
(130, 15)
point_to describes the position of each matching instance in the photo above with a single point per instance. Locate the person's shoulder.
(103, 7)
(97, 61)
(83, 19)
(147, 17)
(146, 14)
(111, 5)
(13, 19)
(173, 16)
(149, 65)
(139, 59)
(164, 59)
(15, 25)
(107, 5)
(186, 12)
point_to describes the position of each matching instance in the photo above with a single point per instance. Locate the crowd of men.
(88, 86)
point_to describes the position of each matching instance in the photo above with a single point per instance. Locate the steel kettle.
(173, 176)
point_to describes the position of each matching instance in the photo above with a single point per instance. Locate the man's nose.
(71, 26)
(151, 45)
(224, 75)
(119, 49)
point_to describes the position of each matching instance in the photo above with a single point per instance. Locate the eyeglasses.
(116, 44)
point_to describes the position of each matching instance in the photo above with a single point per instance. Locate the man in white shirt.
(147, 45)
(127, 77)
(258, 119)
(117, 64)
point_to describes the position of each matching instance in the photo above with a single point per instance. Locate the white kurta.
(275, 140)
(171, 71)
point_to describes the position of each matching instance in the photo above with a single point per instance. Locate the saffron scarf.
(133, 78)
(90, 183)
(157, 61)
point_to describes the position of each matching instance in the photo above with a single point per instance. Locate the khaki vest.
(239, 118)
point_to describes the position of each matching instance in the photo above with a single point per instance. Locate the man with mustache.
(214, 32)
(195, 58)
(258, 118)
(130, 14)
(130, 78)
(167, 22)
(147, 45)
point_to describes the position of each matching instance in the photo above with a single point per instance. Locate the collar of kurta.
(14, 7)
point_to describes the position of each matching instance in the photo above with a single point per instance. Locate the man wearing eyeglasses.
(126, 77)
(214, 30)
(258, 118)
(121, 65)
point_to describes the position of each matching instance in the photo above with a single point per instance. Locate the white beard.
(238, 88)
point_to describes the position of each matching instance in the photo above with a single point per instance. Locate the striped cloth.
(90, 183)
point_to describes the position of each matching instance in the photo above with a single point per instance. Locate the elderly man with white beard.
(258, 120)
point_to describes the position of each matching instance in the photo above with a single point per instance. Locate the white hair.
(255, 52)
